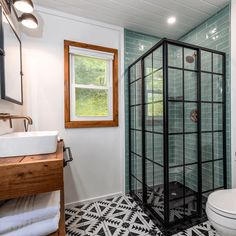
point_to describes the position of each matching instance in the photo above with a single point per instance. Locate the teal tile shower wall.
(215, 34)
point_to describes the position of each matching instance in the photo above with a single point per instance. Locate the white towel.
(42, 228)
(25, 211)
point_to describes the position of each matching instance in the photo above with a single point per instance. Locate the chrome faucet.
(8, 116)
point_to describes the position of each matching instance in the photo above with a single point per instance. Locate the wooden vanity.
(30, 175)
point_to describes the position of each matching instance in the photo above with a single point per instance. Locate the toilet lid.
(224, 200)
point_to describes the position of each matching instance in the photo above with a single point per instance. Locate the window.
(91, 85)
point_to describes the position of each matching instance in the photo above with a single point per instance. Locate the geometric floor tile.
(119, 216)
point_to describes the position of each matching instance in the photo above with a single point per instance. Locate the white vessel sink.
(28, 143)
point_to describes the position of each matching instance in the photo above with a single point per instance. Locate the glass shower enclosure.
(177, 129)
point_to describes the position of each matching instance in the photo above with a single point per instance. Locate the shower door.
(177, 129)
(154, 131)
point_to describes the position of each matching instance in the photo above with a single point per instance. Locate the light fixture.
(171, 20)
(25, 6)
(29, 20)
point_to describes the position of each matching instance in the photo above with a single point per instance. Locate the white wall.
(233, 91)
(97, 169)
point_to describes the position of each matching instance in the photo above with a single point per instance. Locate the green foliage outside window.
(92, 96)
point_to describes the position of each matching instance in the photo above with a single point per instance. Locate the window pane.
(90, 71)
(91, 102)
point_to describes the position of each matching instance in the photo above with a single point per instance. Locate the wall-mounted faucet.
(8, 116)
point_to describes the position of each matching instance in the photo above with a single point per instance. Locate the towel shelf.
(30, 175)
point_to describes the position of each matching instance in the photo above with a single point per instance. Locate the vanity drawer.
(29, 175)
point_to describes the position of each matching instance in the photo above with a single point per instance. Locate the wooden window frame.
(67, 112)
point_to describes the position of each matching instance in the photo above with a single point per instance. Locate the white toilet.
(221, 211)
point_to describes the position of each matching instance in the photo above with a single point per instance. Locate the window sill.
(91, 124)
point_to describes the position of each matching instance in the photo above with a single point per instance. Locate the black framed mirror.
(10, 62)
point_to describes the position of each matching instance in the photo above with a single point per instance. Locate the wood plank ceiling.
(146, 16)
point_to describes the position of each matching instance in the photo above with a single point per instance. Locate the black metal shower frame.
(165, 42)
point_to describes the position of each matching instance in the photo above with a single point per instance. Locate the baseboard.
(86, 201)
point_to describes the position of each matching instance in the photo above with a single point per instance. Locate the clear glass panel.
(218, 145)
(149, 145)
(191, 117)
(149, 173)
(158, 117)
(175, 118)
(157, 59)
(206, 117)
(158, 149)
(190, 86)
(138, 91)
(148, 65)
(206, 91)
(175, 56)
(191, 148)
(175, 84)
(138, 122)
(176, 187)
(218, 174)
(138, 168)
(156, 198)
(133, 140)
(191, 178)
(175, 150)
(132, 163)
(148, 117)
(158, 86)
(207, 176)
(218, 88)
(132, 94)
(138, 70)
(139, 189)
(206, 61)
(132, 117)
(190, 60)
(138, 142)
(218, 116)
(133, 184)
(217, 63)
(158, 110)
(148, 89)
(207, 147)
(158, 176)
(133, 73)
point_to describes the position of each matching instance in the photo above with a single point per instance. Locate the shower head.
(190, 59)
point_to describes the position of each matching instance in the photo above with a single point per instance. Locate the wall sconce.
(26, 7)
(29, 20)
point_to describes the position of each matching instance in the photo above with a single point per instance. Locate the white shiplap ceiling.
(146, 16)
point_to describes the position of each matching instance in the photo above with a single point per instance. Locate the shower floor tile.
(120, 216)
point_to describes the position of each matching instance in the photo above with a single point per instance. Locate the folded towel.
(41, 228)
(25, 211)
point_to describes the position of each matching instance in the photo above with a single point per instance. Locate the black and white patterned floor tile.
(119, 216)
(204, 229)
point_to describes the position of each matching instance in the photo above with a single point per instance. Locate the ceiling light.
(171, 20)
(25, 6)
(29, 21)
